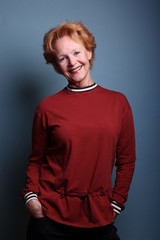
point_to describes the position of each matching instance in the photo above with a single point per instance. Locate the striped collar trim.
(82, 89)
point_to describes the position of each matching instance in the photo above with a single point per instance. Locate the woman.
(79, 134)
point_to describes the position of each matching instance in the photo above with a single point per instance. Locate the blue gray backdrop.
(127, 60)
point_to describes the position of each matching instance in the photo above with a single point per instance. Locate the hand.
(35, 208)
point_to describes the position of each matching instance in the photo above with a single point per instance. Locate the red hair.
(75, 30)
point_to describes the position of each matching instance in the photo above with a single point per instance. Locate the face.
(73, 61)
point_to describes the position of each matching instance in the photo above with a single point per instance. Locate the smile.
(74, 70)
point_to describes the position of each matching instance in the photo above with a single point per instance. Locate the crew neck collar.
(84, 89)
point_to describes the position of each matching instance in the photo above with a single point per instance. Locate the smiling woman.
(73, 61)
(76, 31)
(79, 134)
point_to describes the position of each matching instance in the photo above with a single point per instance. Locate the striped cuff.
(116, 208)
(30, 196)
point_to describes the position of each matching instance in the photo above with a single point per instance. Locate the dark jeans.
(46, 229)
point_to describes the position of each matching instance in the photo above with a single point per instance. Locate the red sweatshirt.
(78, 137)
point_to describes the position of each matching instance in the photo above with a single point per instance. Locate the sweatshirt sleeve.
(39, 147)
(125, 159)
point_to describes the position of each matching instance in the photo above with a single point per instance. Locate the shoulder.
(116, 99)
(50, 102)
(112, 94)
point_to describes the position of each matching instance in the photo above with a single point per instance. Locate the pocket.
(110, 210)
(36, 228)
(40, 225)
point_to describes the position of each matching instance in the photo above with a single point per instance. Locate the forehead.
(66, 45)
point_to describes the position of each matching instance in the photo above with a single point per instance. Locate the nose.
(71, 61)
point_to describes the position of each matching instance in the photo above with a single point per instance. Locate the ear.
(89, 55)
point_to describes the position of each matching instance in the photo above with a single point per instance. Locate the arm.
(125, 160)
(39, 147)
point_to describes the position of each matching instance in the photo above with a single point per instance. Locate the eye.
(76, 53)
(62, 59)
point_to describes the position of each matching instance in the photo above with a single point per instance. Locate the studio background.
(127, 60)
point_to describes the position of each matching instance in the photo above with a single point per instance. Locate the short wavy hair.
(75, 30)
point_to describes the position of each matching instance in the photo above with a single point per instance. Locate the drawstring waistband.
(84, 198)
(86, 204)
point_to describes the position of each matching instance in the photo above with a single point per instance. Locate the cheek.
(84, 59)
(62, 68)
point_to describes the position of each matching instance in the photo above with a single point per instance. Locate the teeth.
(76, 69)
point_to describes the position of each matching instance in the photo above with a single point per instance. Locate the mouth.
(75, 70)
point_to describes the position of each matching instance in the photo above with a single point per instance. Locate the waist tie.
(86, 204)
(84, 198)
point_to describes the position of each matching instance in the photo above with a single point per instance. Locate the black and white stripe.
(30, 196)
(84, 89)
(116, 208)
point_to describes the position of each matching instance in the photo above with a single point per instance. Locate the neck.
(81, 84)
